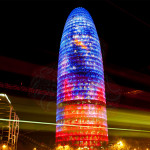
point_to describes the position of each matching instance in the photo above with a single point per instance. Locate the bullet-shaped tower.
(81, 105)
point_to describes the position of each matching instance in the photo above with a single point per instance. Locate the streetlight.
(59, 147)
(4, 146)
(66, 147)
(120, 144)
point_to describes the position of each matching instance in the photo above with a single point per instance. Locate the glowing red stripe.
(27, 69)
(26, 89)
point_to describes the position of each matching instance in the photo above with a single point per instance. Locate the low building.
(9, 124)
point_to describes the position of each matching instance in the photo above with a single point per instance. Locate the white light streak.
(48, 123)
(4, 95)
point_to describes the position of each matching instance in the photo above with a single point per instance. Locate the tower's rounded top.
(80, 11)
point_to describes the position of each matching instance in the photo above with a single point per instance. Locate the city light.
(66, 147)
(120, 144)
(4, 146)
(60, 147)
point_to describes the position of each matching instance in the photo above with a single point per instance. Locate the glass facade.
(81, 106)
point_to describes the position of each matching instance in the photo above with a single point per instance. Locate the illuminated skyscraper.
(81, 104)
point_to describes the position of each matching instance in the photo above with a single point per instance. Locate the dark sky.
(28, 28)
(31, 33)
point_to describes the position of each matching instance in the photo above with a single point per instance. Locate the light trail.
(26, 89)
(4, 95)
(48, 123)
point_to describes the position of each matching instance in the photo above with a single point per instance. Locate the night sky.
(30, 37)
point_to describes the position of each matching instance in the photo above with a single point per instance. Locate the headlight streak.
(4, 95)
(49, 123)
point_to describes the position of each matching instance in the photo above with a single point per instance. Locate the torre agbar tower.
(81, 106)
